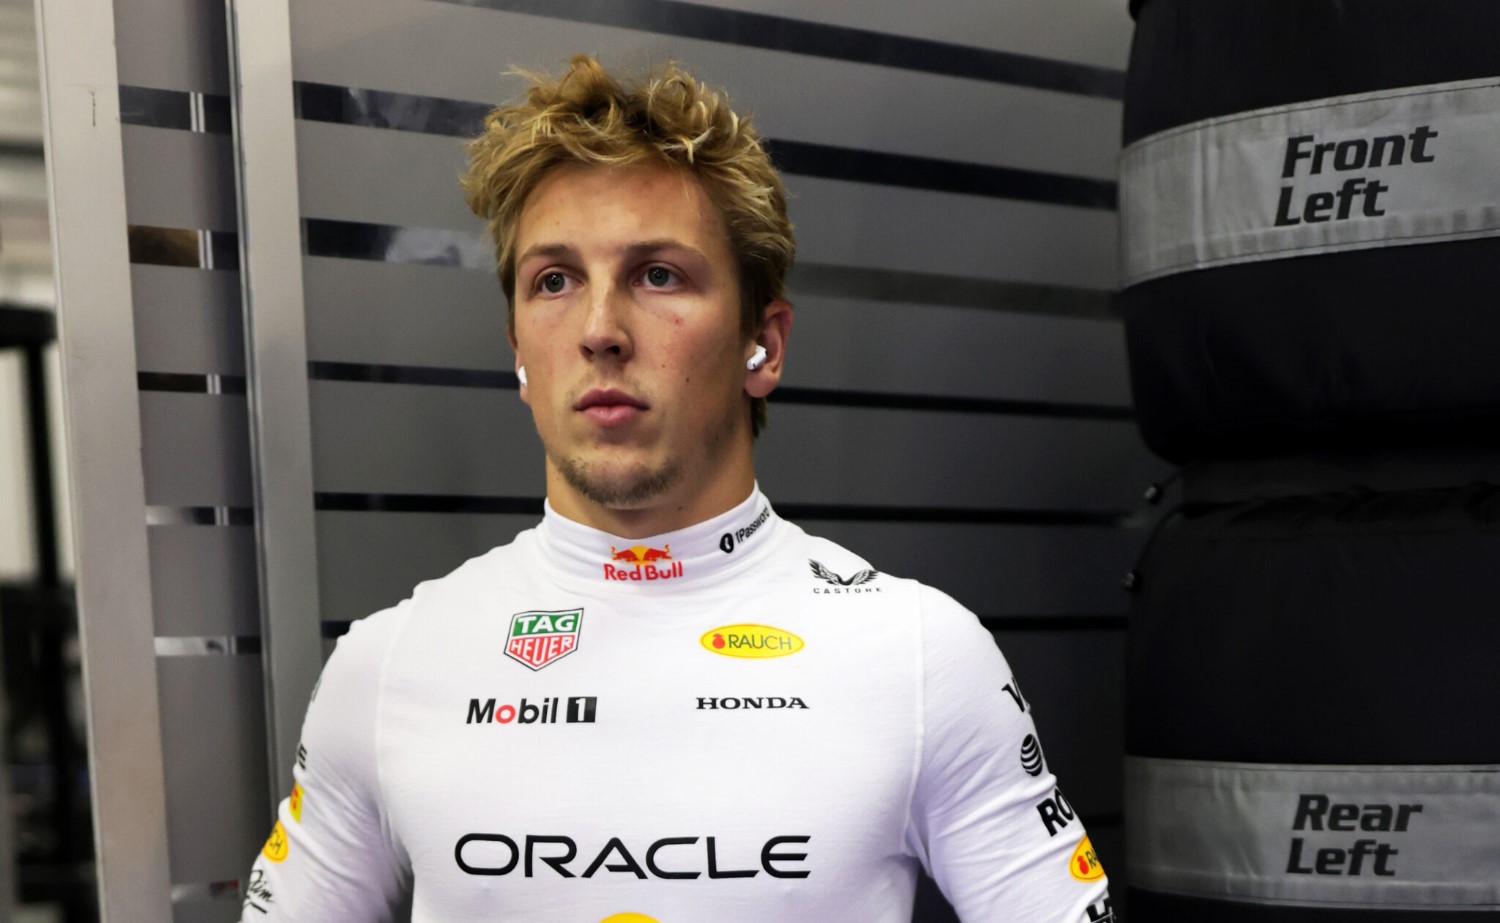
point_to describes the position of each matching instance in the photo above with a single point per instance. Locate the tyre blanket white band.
(1414, 837)
(1405, 166)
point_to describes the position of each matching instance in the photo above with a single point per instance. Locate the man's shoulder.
(480, 574)
(832, 566)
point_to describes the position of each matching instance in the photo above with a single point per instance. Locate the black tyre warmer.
(1308, 351)
(1343, 633)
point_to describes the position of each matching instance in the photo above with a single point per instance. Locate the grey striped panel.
(1073, 682)
(347, 173)
(1086, 31)
(196, 449)
(204, 910)
(852, 224)
(377, 438)
(213, 745)
(204, 581)
(187, 320)
(956, 352)
(849, 224)
(403, 314)
(796, 97)
(178, 179)
(998, 570)
(385, 439)
(172, 44)
(207, 646)
(369, 561)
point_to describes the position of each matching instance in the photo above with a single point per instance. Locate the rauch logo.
(539, 638)
(1085, 862)
(751, 641)
(645, 563)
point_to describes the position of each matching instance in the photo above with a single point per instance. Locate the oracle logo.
(675, 857)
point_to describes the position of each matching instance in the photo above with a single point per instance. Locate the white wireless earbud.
(521, 374)
(757, 359)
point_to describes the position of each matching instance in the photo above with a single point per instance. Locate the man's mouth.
(609, 406)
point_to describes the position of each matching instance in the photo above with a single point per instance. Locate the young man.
(663, 703)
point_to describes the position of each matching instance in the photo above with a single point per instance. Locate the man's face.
(627, 321)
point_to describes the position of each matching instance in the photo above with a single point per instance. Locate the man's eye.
(660, 276)
(554, 282)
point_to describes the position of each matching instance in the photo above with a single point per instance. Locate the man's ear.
(520, 366)
(774, 332)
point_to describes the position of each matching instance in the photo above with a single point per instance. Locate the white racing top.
(736, 722)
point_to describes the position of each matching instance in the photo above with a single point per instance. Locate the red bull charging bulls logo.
(641, 562)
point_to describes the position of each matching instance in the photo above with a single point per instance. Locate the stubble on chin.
(635, 486)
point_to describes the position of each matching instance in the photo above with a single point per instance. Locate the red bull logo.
(645, 563)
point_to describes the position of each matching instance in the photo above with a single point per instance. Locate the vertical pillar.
(86, 186)
(260, 54)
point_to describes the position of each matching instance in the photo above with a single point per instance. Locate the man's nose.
(606, 328)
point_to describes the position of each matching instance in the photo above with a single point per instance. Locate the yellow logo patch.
(295, 802)
(277, 847)
(1085, 863)
(752, 641)
(628, 918)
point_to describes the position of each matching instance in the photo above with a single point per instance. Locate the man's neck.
(677, 508)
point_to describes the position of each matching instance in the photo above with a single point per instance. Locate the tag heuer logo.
(539, 638)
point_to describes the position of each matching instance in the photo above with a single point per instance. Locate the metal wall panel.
(1088, 31)
(863, 456)
(342, 167)
(87, 199)
(371, 561)
(213, 739)
(377, 313)
(178, 179)
(1073, 682)
(196, 449)
(1001, 570)
(793, 96)
(404, 314)
(848, 343)
(205, 581)
(266, 184)
(173, 44)
(838, 222)
(187, 321)
(195, 446)
(850, 224)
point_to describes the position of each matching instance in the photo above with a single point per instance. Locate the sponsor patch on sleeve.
(1085, 862)
(277, 846)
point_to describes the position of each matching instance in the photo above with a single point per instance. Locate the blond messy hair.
(586, 116)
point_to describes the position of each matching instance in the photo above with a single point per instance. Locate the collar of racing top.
(687, 557)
